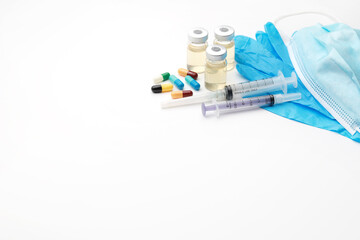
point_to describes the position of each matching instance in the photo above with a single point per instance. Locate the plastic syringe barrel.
(248, 103)
(257, 87)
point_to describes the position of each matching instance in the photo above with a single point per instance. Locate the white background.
(87, 153)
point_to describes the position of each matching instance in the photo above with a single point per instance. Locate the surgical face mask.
(327, 61)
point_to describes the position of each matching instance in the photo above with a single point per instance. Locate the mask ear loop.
(286, 38)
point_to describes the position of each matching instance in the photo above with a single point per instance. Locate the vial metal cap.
(224, 33)
(216, 53)
(198, 35)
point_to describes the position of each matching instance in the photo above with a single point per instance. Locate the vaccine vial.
(215, 67)
(224, 36)
(196, 56)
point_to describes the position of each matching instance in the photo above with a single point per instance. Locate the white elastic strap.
(332, 18)
(286, 38)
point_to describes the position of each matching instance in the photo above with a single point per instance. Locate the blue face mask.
(264, 56)
(327, 61)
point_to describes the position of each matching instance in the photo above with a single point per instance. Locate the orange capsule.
(184, 72)
(181, 94)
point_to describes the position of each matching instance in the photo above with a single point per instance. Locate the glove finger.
(250, 52)
(246, 45)
(277, 42)
(251, 73)
(263, 39)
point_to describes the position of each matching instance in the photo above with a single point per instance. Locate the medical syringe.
(248, 103)
(239, 90)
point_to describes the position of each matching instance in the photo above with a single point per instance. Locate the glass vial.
(224, 36)
(196, 56)
(215, 67)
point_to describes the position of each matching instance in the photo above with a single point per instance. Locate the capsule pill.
(184, 72)
(160, 88)
(174, 80)
(162, 77)
(193, 83)
(181, 94)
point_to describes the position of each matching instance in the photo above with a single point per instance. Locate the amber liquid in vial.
(230, 47)
(215, 75)
(196, 57)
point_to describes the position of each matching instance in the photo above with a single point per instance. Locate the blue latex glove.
(264, 58)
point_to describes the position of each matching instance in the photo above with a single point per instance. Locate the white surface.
(87, 153)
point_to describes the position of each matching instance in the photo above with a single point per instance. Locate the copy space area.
(86, 152)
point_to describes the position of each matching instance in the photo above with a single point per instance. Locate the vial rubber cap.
(216, 53)
(224, 33)
(198, 35)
